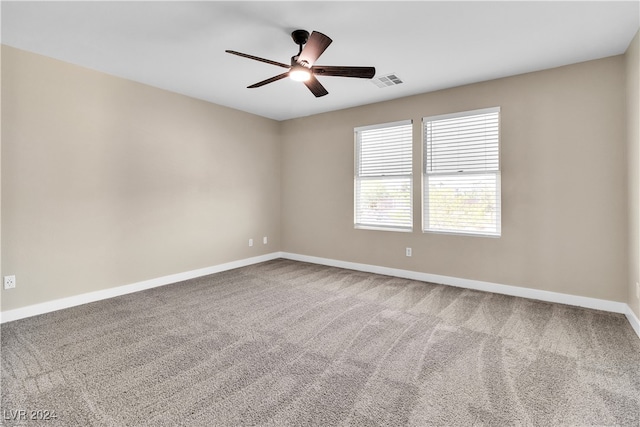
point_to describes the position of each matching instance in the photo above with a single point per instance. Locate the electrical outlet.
(264, 240)
(637, 290)
(408, 251)
(250, 242)
(9, 282)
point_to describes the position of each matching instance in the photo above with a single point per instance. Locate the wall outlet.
(264, 240)
(407, 251)
(250, 242)
(9, 282)
(637, 290)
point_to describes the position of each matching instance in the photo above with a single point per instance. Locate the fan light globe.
(300, 74)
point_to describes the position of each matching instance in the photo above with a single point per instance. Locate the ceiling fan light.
(300, 73)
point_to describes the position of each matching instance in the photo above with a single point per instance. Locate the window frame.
(363, 225)
(497, 173)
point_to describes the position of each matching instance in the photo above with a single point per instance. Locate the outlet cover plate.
(9, 282)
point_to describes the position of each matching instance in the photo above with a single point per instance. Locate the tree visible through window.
(461, 174)
(383, 177)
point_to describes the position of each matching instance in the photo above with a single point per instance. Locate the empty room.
(332, 213)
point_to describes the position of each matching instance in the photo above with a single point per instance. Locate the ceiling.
(180, 46)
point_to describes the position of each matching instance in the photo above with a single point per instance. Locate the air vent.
(387, 80)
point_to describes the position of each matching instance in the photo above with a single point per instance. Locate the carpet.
(286, 343)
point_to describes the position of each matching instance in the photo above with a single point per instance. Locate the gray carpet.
(287, 343)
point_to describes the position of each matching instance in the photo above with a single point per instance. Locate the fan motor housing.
(300, 37)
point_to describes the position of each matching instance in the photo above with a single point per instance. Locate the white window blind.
(462, 173)
(383, 176)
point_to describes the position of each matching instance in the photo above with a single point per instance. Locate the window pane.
(384, 202)
(462, 144)
(385, 151)
(463, 203)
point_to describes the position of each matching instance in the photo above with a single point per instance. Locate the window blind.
(462, 173)
(383, 176)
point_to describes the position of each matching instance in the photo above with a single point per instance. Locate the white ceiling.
(179, 46)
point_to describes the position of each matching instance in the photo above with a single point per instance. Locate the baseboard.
(633, 319)
(594, 303)
(555, 297)
(62, 303)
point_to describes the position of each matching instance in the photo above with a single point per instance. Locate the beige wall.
(564, 190)
(106, 182)
(633, 136)
(1, 286)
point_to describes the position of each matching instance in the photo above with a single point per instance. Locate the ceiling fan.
(302, 68)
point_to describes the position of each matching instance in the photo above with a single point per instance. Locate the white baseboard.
(59, 304)
(556, 297)
(633, 319)
(594, 303)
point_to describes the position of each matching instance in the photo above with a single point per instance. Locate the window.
(461, 173)
(383, 177)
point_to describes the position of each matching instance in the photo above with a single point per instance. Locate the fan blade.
(315, 87)
(271, 80)
(268, 61)
(359, 72)
(316, 44)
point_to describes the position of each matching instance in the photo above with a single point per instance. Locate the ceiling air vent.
(387, 80)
